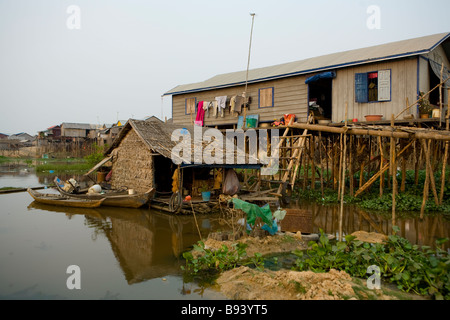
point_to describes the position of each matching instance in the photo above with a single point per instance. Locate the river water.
(129, 253)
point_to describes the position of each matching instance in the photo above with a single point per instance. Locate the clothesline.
(235, 105)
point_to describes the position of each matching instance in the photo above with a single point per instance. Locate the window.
(190, 105)
(266, 98)
(373, 86)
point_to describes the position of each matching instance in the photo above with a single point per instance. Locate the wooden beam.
(436, 135)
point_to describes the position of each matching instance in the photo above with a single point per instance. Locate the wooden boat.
(60, 200)
(112, 199)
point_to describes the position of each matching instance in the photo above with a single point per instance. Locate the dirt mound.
(244, 283)
(279, 243)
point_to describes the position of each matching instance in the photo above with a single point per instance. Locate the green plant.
(422, 270)
(204, 187)
(222, 259)
(96, 156)
(424, 104)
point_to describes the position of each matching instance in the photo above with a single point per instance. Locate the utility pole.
(248, 66)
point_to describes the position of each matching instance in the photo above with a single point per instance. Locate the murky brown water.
(128, 253)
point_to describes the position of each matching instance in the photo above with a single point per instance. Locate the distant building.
(24, 137)
(79, 130)
(3, 136)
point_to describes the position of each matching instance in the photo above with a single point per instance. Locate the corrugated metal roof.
(387, 51)
(82, 126)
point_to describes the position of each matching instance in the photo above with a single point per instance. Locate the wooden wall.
(290, 96)
(403, 85)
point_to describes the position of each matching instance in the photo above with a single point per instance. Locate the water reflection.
(146, 244)
(417, 231)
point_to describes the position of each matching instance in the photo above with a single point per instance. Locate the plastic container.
(95, 189)
(206, 195)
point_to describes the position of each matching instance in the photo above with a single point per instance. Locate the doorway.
(320, 98)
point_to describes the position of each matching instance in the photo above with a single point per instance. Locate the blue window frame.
(373, 86)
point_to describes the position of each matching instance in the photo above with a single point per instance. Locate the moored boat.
(60, 200)
(113, 199)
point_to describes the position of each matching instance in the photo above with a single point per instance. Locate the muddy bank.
(245, 283)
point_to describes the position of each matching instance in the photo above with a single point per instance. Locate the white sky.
(129, 52)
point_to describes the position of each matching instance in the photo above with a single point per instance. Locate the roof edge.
(303, 72)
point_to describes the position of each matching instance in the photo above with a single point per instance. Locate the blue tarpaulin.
(323, 75)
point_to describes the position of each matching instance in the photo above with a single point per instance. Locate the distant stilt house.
(379, 80)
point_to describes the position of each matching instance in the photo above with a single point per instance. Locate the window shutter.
(191, 105)
(384, 85)
(266, 98)
(361, 88)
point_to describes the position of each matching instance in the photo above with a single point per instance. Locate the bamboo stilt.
(381, 165)
(394, 174)
(313, 164)
(430, 170)
(343, 176)
(321, 163)
(425, 192)
(444, 164)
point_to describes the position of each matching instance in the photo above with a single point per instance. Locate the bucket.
(101, 176)
(206, 195)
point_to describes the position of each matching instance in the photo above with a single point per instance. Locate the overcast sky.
(127, 53)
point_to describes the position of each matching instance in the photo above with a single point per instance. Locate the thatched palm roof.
(157, 136)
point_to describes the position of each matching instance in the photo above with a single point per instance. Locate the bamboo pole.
(351, 167)
(381, 165)
(440, 96)
(312, 143)
(435, 135)
(441, 198)
(425, 190)
(341, 214)
(423, 97)
(429, 170)
(394, 173)
(383, 170)
(340, 165)
(321, 162)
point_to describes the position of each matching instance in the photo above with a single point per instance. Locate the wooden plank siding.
(290, 96)
(403, 85)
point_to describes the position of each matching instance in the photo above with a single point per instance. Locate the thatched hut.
(142, 158)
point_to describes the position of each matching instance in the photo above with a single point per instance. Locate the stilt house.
(378, 80)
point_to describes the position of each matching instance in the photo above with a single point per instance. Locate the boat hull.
(59, 200)
(113, 200)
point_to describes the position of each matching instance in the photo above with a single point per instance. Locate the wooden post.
(425, 188)
(312, 142)
(341, 214)
(429, 170)
(441, 198)
(321, 162)
(351, 167)
(440, 96)
(380, 142)
(394, 173)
